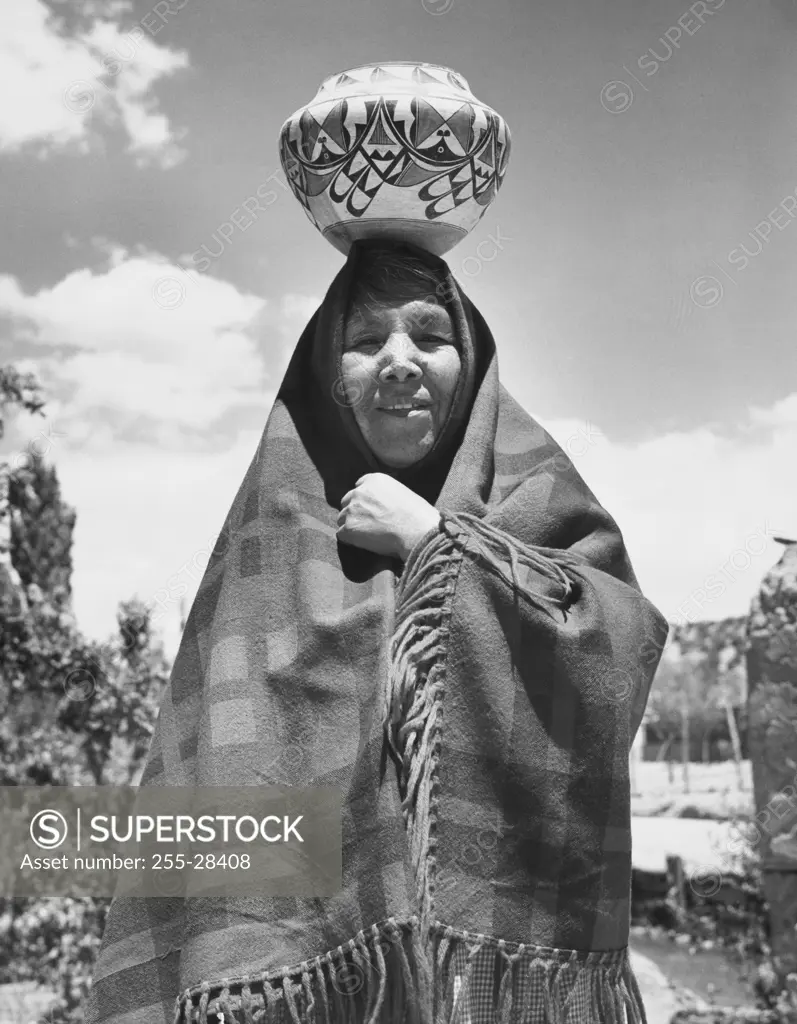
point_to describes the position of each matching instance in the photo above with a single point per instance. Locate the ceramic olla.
(397, 150)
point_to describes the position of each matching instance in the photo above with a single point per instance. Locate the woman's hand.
(384, 516)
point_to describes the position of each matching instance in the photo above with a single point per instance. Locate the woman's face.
(400, 359)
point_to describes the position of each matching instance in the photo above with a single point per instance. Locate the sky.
(636, 268)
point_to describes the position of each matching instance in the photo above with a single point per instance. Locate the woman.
(418, 592)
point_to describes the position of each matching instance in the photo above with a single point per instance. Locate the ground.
(669, 974)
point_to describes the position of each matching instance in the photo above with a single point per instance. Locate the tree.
(702, 670)
(72, 711)
(17, 391)
(41, 530)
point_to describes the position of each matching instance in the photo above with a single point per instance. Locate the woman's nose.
(401, 363)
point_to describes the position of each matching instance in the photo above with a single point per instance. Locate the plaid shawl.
(476, 707)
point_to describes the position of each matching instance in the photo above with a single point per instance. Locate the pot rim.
(401, 63)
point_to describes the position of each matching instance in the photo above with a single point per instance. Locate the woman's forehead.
(425, 308)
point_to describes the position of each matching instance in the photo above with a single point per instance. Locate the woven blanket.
(475, 706)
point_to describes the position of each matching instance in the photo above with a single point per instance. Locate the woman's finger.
(355, 539)
(348, 536)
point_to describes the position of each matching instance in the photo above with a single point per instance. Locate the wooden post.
(676, 880)
(685, 743)
(670, 771)
(737, 746)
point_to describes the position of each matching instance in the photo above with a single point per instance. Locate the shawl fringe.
(494, 545)
(413, 713)
(374, 979)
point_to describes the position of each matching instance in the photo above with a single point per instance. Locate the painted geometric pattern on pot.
(382, 74)
(350, 149)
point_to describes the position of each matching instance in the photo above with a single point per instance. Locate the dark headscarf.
(321, 348)
(481, 697)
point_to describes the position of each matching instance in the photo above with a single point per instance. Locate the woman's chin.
(404, 457)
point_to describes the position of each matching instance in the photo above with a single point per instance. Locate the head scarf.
(475, 706)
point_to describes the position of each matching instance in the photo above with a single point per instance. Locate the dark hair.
(389, 269)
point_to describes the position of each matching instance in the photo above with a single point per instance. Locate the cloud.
(142, 344)
(57, 86)
(698, 509)
(781, 413)
(141, 338)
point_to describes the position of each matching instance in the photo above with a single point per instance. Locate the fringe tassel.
(340, 1012)
(464, 987)
(310, 1004)
(411, 712)
(382, 974)
(271, 1008)
(441, 977)
(596, 997)
(635, 1003)
(472, 978)
(621, 998)
(203, 1004)
(322, 988)
(370, 972)
(362, 975)
(505, 993)
(246, 1004)
(398, 944)
(290, 1002)
(223, 1002)
(424, 977)
(493, 542)
(525, 1012)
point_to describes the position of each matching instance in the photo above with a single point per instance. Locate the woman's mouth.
(404, 409)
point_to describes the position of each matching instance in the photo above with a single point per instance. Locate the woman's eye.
(434, 339)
